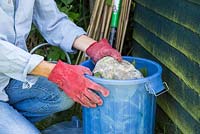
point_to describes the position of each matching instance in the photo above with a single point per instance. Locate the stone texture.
(110, 68)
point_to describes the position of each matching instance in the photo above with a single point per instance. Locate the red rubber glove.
(71, 79)
(101, 49)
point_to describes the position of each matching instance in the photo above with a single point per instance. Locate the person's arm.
(96, 50)
(83, 42)
(55, 26)
(43, 69)
(15, 62)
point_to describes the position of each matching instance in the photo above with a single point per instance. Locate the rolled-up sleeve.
(15, 62)
(55, 26)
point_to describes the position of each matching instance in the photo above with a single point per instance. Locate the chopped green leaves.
(143, 71)
(98, 74)
(133, 63)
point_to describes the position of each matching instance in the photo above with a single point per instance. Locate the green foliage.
(98, 74)
(76, 10)
(56, 54)
(66, 2)
(67, 7)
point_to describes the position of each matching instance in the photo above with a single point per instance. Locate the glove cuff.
(93, 50)
(56, 74)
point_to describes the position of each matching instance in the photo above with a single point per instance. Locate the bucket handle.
(47, 44)
(151, 91)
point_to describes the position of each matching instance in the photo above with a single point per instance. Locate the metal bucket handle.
(152, 91)
(46, 44)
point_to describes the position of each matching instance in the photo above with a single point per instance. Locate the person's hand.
(100, 49)
(71, 79)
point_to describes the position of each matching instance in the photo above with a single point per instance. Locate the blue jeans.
(28, 105)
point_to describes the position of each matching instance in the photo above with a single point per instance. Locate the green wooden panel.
(168, 31)
(195, 1)
(164, 125)
(178, 115)
(178, 63)
(175, 35)
(186, 97)
(172, 108)
(180, 11)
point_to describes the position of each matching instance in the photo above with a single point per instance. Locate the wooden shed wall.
(168, 31)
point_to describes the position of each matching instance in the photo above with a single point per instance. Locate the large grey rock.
(110, 68)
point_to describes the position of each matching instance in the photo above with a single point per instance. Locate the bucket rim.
(129, 81)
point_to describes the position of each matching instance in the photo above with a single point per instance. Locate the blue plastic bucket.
(130, 107)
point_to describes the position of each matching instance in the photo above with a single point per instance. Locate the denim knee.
(55, 97)
(62, 103)
(65, 102)
(39, 100)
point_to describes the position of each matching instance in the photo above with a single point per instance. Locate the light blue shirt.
(16, 17)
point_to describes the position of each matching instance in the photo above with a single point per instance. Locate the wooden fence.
(168, 31)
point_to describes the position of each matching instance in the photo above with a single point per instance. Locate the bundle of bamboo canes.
(100, 23)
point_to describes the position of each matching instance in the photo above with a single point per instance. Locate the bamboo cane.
(91, 3)
(104, 21)
(120, 27)
(93, 17)
(106, 35)
(100, 22)
(90, 29)
(98, 17)
(125, 26)
(93, 28)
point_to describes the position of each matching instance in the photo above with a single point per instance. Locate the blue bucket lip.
(128, 82)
